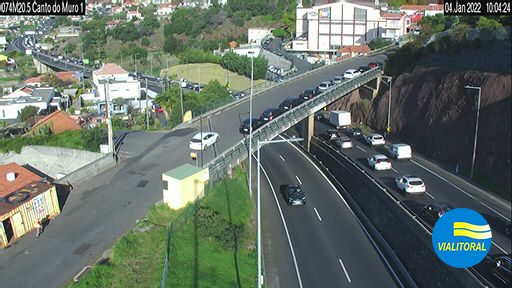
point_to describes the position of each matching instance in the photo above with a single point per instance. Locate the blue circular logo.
(462, 238)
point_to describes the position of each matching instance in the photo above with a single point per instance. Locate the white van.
(400, 151)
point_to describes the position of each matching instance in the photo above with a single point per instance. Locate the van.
(400, 151)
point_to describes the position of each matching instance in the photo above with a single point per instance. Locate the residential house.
(58, 122)
(351, 51)
(165, 9)
(42, 98)
(134, 15)
(67, 77)
(120, 84)
(27, 198)
(434, 9)
(395, 25)
(112, 24)
(416, 12)
(256, 35)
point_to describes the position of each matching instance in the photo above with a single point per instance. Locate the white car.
(379, 162)
(375, 140)
(400, 151)
(338, 79)
(324, 85)
(410, 184)
(351, 73)
(344, 142)
(208, 139)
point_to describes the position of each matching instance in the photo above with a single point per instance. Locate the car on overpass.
(245, 126)
(351, 73)
(290, 102)
(324, 85)
(203, 140)
(434, 211)
(411, 184)
(271, 113)
(309, 93)
(293, 194)
(379, 162)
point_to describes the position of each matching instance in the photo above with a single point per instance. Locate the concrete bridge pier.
(372, 87)
(41, 67)
(308, 130)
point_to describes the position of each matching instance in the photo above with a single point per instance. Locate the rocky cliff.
(431, 110)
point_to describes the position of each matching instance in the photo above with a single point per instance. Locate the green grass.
(195, 261)
(204, 72)
(9, 79)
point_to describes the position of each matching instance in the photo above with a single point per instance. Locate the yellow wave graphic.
(476, 228)
(470, 234)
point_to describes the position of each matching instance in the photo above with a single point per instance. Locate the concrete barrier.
(90, 170)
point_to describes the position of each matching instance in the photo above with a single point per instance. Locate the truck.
(28, 52)
(340, 119)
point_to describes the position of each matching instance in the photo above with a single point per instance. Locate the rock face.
(432, 111)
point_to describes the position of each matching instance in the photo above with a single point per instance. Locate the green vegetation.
(242, 65)
(192, 55)
(89, 139)
(378, 43)
(209, 248)
(27, 112)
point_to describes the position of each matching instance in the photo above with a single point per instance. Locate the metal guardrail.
(232, 156)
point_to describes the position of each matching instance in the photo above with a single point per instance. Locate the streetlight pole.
(476, 126)
(110, 133)
(258, 145)
(390, 79)
(181, 101)
(250, 124)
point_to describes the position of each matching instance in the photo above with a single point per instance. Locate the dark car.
(309, 93)
(502, 269)
(373, 65)
(354, 132)
(363, 69)
(290, 103)
(320, 116)
(256, 123)
(331, 134)
(293, 194)
(270, 113)
(434, 211)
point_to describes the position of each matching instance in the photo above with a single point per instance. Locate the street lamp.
(250, 120)
(389, 78)
(258, 145)
(476, 126)
(110, 133)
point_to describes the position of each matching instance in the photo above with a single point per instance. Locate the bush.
(212, 226)
(198, 56)
(378, 43)
(242, 65)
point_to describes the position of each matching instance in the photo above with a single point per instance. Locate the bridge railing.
(238, 152)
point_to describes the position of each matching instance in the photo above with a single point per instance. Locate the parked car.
(435, 210)
(363, 69)
(400, 151)
(351, 73)
(331, 134)
(324, 85)
(503, 267)
(290, 103)
(375, 140)
(354, 132)
(338, 79)
(379, 162)
(343, 142)
(237, 95)
(373, 65)
(309, 93)
(203, 140)
(293, 194)
(270, 113)
(410, 184)
(245, 128)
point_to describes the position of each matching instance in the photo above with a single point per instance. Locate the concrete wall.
(90, 170)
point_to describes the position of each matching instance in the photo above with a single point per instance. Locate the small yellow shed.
(184, 185)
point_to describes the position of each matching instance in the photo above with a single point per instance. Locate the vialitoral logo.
(462, 238)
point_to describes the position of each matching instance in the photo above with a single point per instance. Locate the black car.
(309, 93)
(363, 69)
(354, 132)
(270, 113)
(293, 194)
(331, 134)
(320, 116)
(256, 123)
(503, 267)
(434, 211)
(290, 103)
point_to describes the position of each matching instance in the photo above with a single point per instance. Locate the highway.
(330, 247)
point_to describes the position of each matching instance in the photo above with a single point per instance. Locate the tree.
(489, 28)
(171, 44)
(212, 92)
(27, 113)
(50, 80)
(145, 41)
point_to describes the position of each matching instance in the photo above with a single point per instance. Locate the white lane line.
(498, 246)
(300, 182)
(316, 211)
(360, 148)
(282, 158)
(345, 270)
(430, 195)
(441, 177)
(285, 227)
(394, 169)
(494, 211)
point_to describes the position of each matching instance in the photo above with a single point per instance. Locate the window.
(166, 186)
(360, 14)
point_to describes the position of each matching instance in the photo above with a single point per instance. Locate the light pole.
(390, 79)
(250, 122)
(110, 133)
(258, 145)
(181, 101)
(476, 126)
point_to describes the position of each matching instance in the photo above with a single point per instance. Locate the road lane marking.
(285, 227)
(300, 182)
(441, 177)
(316, 211)
(394, 169)
(430, 195)
(360, 148)
(282, 158)
(494, 211)
(345, 270)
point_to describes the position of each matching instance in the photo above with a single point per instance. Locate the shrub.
(378, 43)
(211, 225)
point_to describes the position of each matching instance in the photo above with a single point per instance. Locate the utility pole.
(109, 120)
(181, 100)
(250, 124)
(147, 112)
(151, 64)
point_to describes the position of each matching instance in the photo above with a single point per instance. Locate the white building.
(244, 50)
(12, 104)
(134, 14)
(433, 9)
(121, 85)
(256, 35)
(395, 25)
(165, 9)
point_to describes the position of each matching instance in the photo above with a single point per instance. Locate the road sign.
(388, 130)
